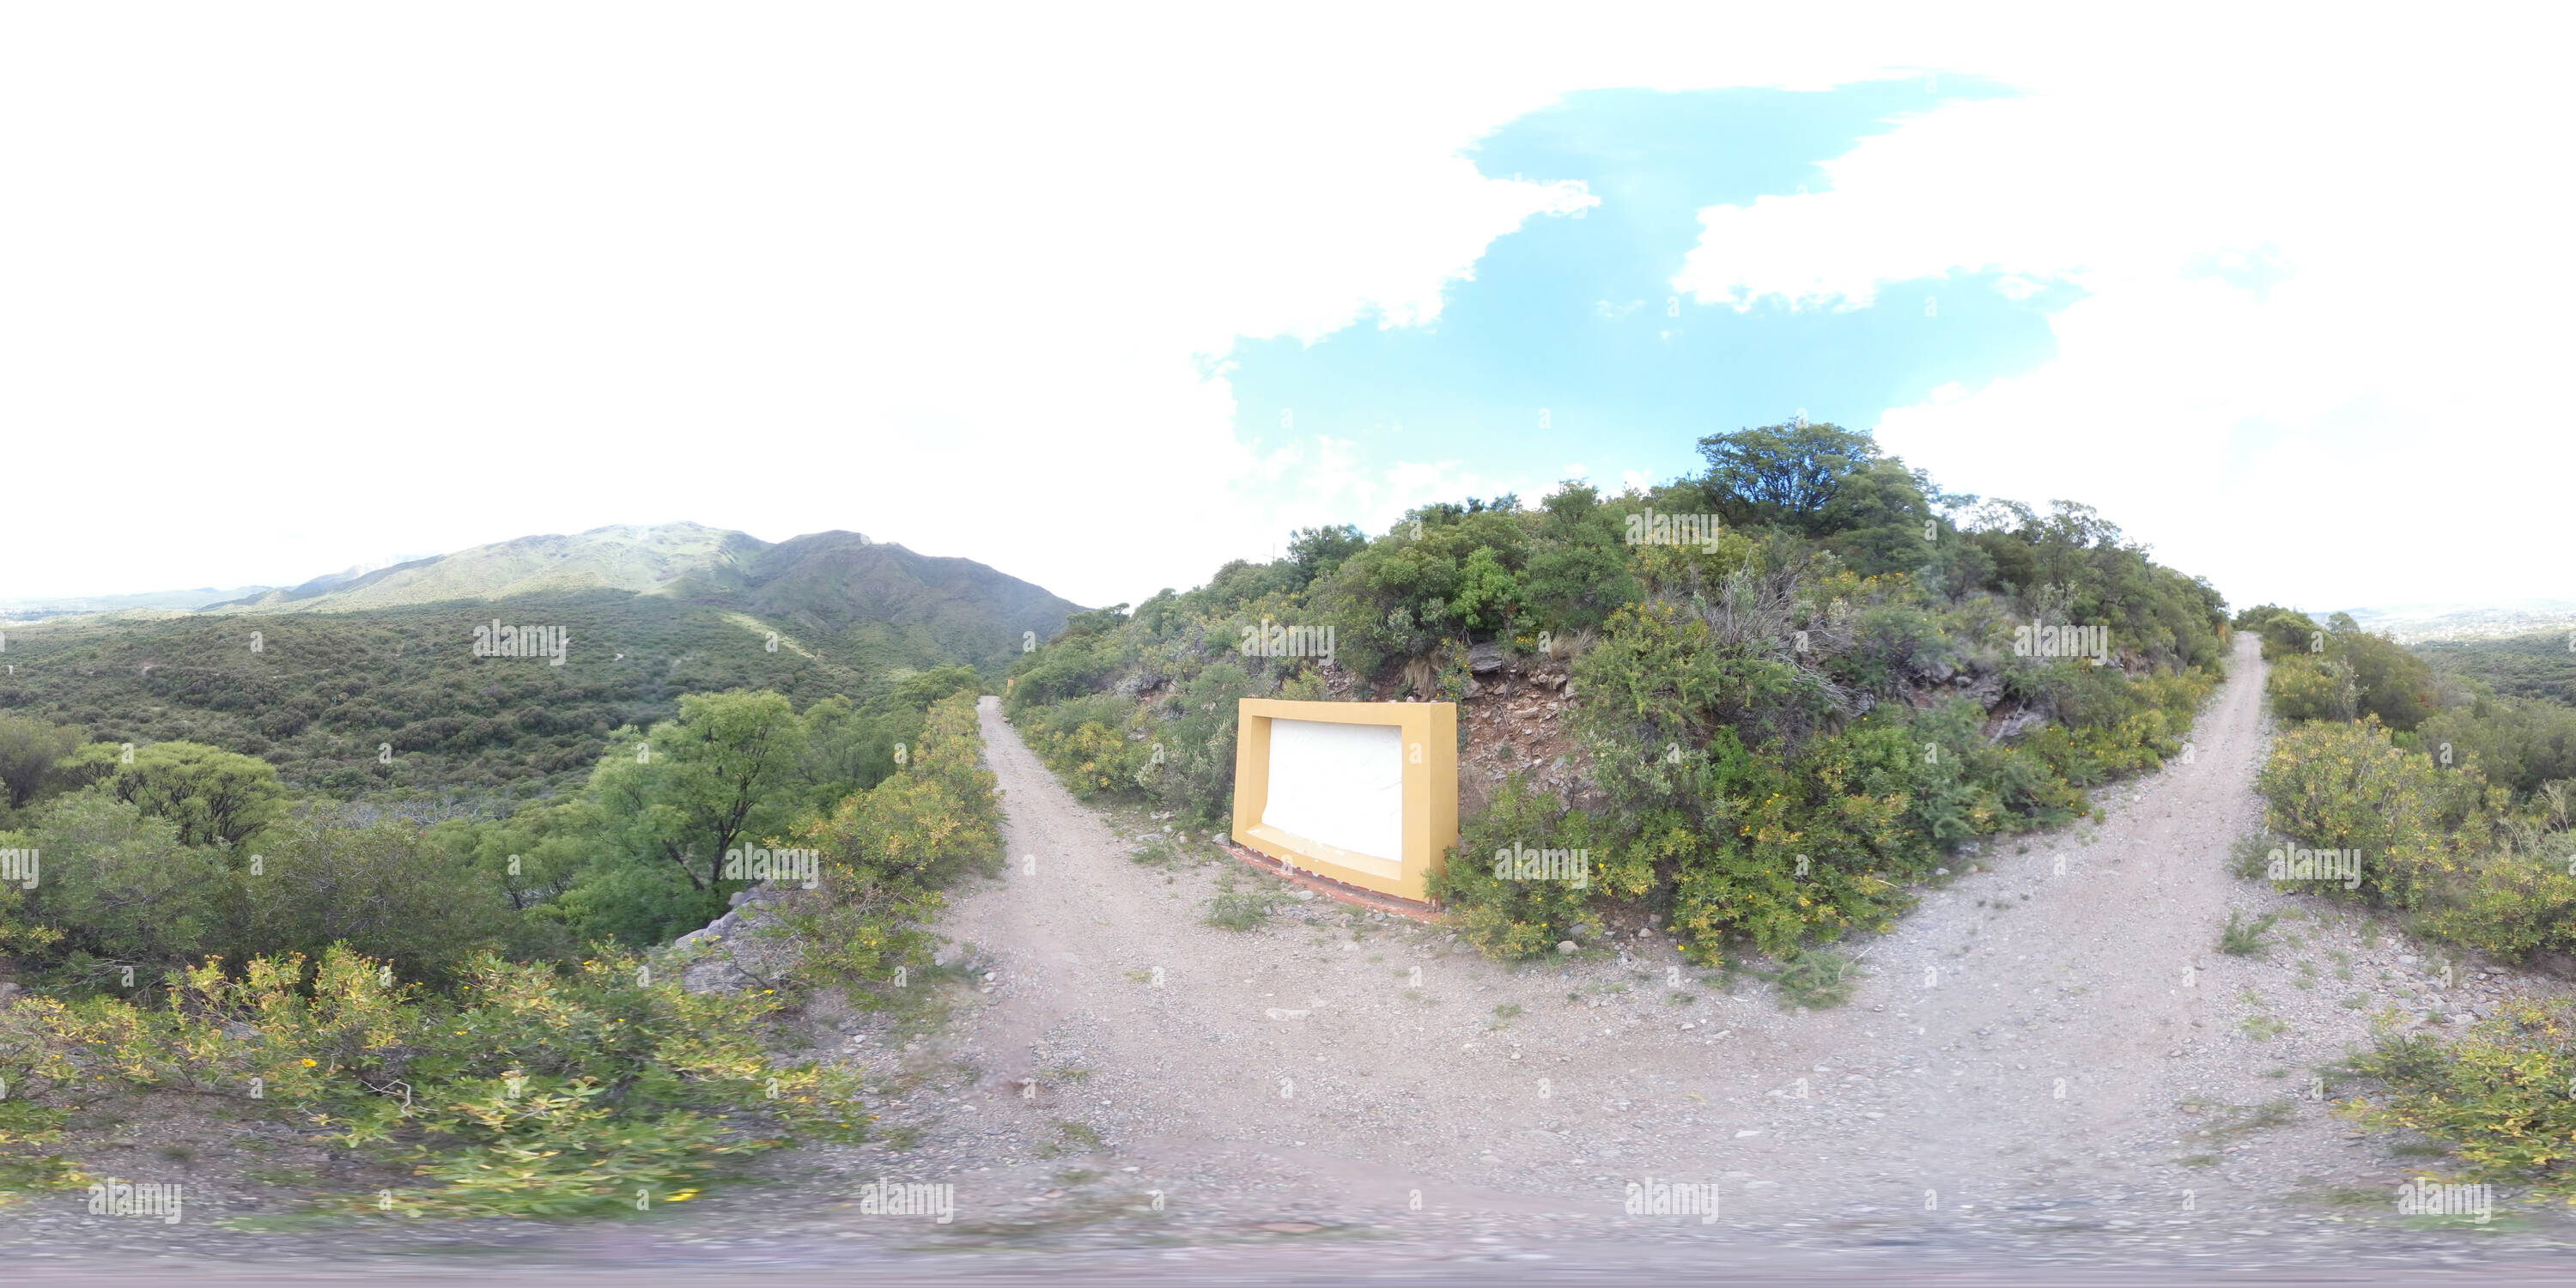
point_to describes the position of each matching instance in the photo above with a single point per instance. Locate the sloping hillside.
(2537, 665)
(842, 583)
(914, 607)
(353, 669)
(682, 558)
(1762, 700)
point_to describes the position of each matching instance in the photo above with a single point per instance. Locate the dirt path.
(2023, 1089)
(2052, 1043)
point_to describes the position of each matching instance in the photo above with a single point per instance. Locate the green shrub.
(1233, 909)
(383, 889)
(2520, 745)
(2514, 903)
(213, 796)
(2346, 786)
(525, 1093)
(2497, 1096)
(1087, 742)
(31, 756)
(1512, 916)
(2242, 938)
(118, 887)
(2250, 857)
(1818, 979)
(886, 854)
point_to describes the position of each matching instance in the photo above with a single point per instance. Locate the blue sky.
(1578, 316)
(2284, 303)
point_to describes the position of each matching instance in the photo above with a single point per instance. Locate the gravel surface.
(2046, 1071)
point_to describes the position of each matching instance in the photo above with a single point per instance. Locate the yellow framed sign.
(1365, 793)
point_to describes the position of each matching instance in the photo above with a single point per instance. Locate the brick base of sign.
(1338, 891)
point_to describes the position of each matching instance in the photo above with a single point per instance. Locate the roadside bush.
(2346, 786)
(527, 1093)
(1232, 909)
(384, 889)
(117, 887)
(1085, 741)
(1818, 979)
(2515, 903)
(1511, 909)
(213, 796)
(2497, 1096)
(887, 852)
(1196, 779)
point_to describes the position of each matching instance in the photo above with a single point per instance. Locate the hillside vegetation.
(1794, 685)
(321, 860)
(355, 687)
(2537, 665)
(2460, 801)
(2456, 803)
(472, 1006)
(926, 608)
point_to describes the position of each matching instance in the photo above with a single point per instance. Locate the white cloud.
(291, 287)
(2307, 363)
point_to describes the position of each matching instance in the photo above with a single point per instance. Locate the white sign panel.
(1340, 784)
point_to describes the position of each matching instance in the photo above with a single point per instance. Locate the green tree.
(705, 783)
(1488, 596)
(385, 889)
(216, 797)
(847, 750)
(1782, 474)
(119, 885)
(2395, 685)
(1578, 569)
(1317, 551)
(1875, 520)
(29, 752)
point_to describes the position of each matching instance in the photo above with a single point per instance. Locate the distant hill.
(684, 559)
(349, 665)
(924, 608)
(2417, 623)
(2537, 665)
(32, 608)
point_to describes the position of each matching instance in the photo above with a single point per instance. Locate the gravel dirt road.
(2046, 1073)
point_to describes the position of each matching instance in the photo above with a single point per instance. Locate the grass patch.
(2250, 857)
(2228, 1123)
(1240, 909)
(2242, 938)
(1818, 979)
(24, 1124)
(2263, 1028)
